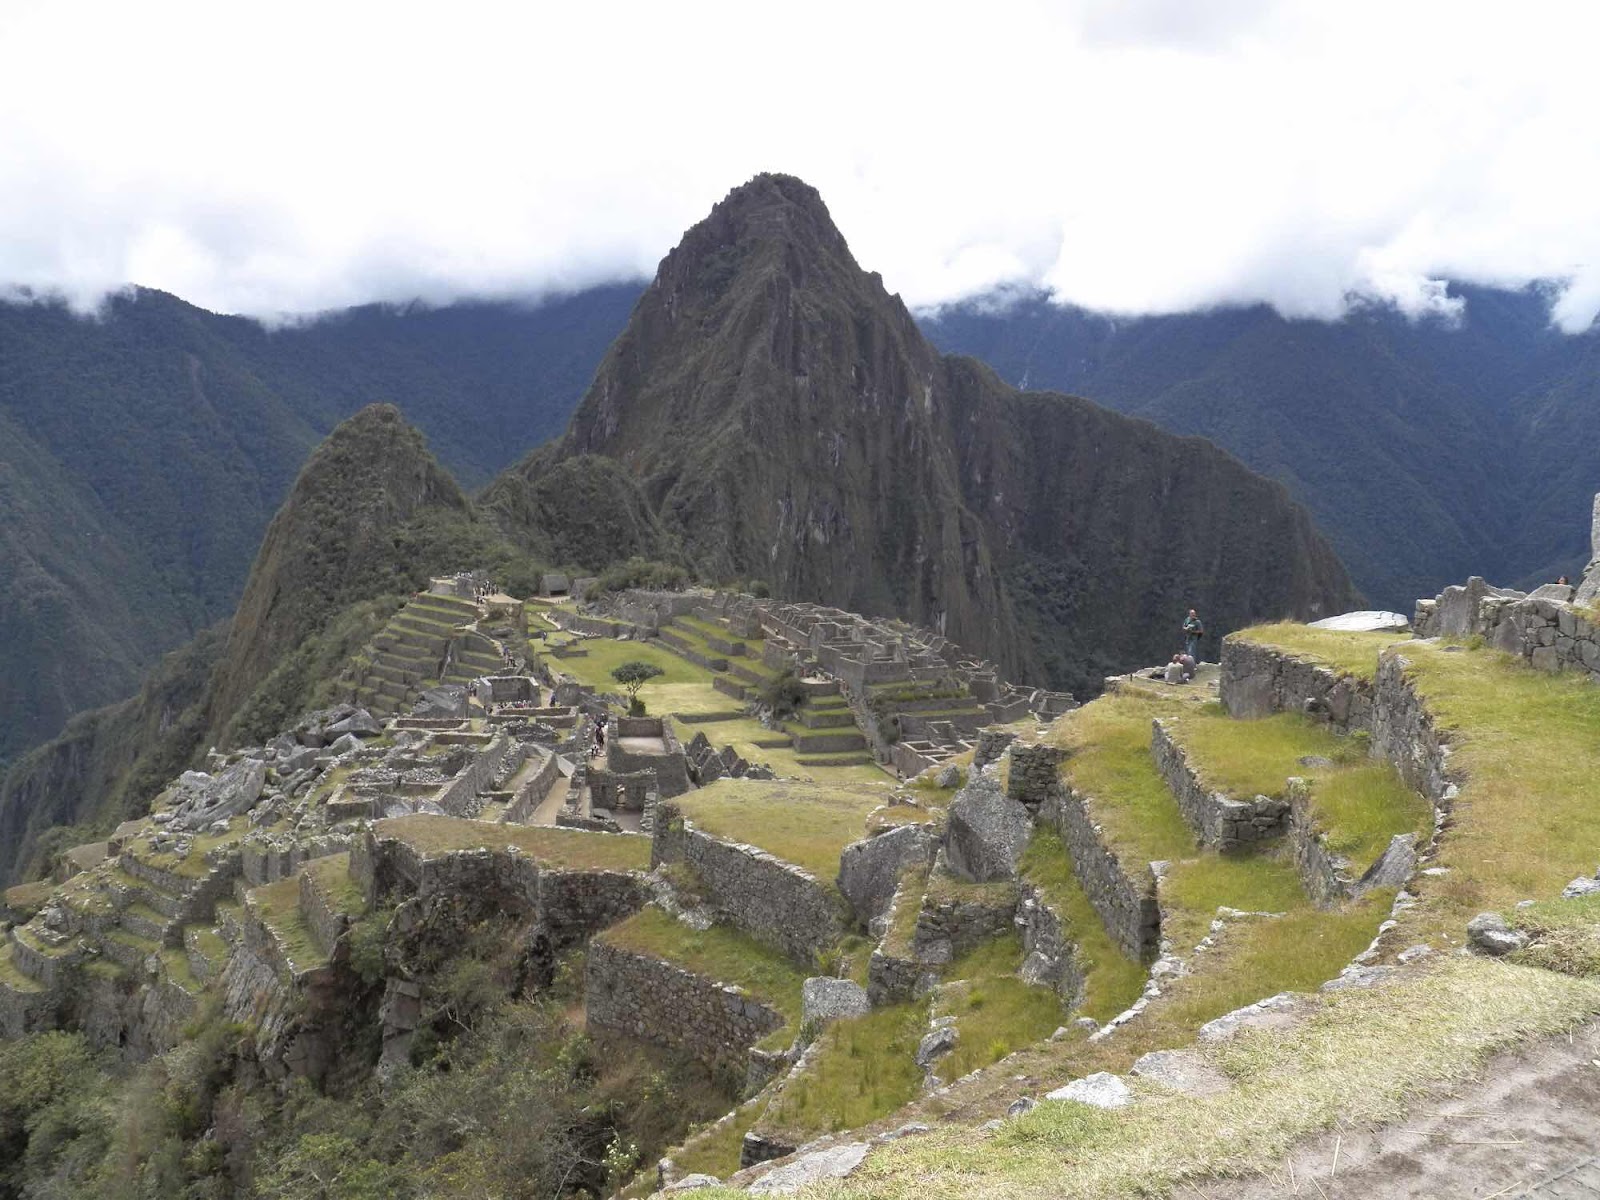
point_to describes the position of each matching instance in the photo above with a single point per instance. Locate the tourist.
(599, 740)
(1174, 672)
(1564, 581)
(1193, 631)
(1187, 662)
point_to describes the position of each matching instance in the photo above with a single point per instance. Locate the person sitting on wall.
(1187, 662)
(1174, 672)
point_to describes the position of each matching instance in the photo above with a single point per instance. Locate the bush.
(785, 695)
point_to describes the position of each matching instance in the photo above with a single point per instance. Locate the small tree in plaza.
(633, 676)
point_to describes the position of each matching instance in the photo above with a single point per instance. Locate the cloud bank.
(1143, 157)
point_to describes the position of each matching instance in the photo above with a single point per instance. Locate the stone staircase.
(421, 646)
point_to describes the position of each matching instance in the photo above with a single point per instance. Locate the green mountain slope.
(142, 453)
(787, 420)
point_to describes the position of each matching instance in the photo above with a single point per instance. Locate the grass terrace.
(1250, 758)
(1112, 980)
(331, 874)
(994, 1010)
(802, 823)
(277, 905)
(1528, 747)
(722, 953)
(1347, 653)
(1358, 1060)
(682, 687)
(1361, 809)
(194, 864)
(743, 735)
(11, 976)
(25, 899)
(863, 1069)
(1109, 762)
(571, 849)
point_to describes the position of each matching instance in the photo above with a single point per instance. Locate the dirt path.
(1529, 1126)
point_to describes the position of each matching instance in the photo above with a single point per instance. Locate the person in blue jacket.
(1193, 631)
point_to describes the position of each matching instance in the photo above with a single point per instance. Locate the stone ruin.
(1554, 627)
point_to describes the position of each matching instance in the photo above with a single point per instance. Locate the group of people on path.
(1182, 667)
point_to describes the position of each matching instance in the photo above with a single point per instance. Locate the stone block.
(987, 832)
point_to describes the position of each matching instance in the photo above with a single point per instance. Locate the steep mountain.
(1428, 450)
(369, 518)
(786, 420)
(143, 451)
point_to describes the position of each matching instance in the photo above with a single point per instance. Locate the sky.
(1134, 157)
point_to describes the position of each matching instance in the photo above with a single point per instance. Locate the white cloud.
(1133, 157)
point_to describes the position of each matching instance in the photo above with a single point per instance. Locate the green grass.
(1112, 980)
(1109, 763)
(1362, 808)
(25, 899)
(11, 976)
(208, 943)
(574, 849)
(1528, 745)
(722, 953)
(995, 1011)
(713, 1151)
(1195, 888)
(1359, 1059)
(682, 687)
(804, 824)
(277, 905)
(1255, 758)
(1353, 654)
(332, 876)
(194, 864)
(863, 1069)
(908, 907)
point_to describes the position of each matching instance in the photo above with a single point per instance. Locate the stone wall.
(1050, 957)
(1258, 681)
(870, 870)
(1403, 732)
(1221, 822)
(957, 917)
(1547, 634)
(1035, 772)
(461, 796)
(1123, 894)
(569, 904)
(775, 902)
(532, 791)
(645, 998)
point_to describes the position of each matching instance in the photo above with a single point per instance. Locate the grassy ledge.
(1354, 654)
(994, 1010)
(804, 824)
(569, 849)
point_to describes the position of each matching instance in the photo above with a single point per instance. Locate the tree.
(634, 675)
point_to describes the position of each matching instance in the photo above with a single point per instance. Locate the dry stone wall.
(777, 903)
(642, 997)
(1122, 893)
(1050, 957)
(1258, 681)
(1223, 823)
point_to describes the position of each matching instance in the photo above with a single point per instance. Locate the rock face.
(835, 1162)
(233, 792)
(870, 869)
(785, 419)
(988, 832)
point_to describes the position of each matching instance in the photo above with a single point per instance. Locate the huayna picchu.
(693, 811)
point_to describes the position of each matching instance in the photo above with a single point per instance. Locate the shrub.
(784, 695)
(634, 675)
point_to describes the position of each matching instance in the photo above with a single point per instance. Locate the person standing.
(1193, 631)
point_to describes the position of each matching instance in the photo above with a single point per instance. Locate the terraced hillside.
(432, 640)
(1153, 942)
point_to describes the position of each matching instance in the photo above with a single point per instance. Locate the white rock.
(1101, 1090)
(833, 1163)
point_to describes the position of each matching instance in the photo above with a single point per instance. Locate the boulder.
(299, 759)
(1489, 934)
(1366, 621)
(347, 744)
(1394, 866)
(693, 1183)
(869, 870)
(823, 999)
(948, 777)
(1560, 592)
(936, 1043)
(233, 792)
(1100, 1090)
(1583, 886)
(1185, 1071)
(1021, 1106)
(835, 1162)
(361, 723)
(448, 701)
(987, 833)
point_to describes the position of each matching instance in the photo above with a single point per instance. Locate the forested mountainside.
(369, 518)
(1426, 450)
(143, 451)
(787, 421)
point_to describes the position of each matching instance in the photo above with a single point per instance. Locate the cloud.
(1131, 157)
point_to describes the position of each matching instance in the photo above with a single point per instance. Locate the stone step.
(127, 949)
(827, 719)
(835, 760)
(806, 742)
(144, 921)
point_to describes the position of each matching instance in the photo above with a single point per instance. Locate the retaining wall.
(1123, 894)
(775, 902)
(657, 1002)
(1258, 681)
(1221, 822)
